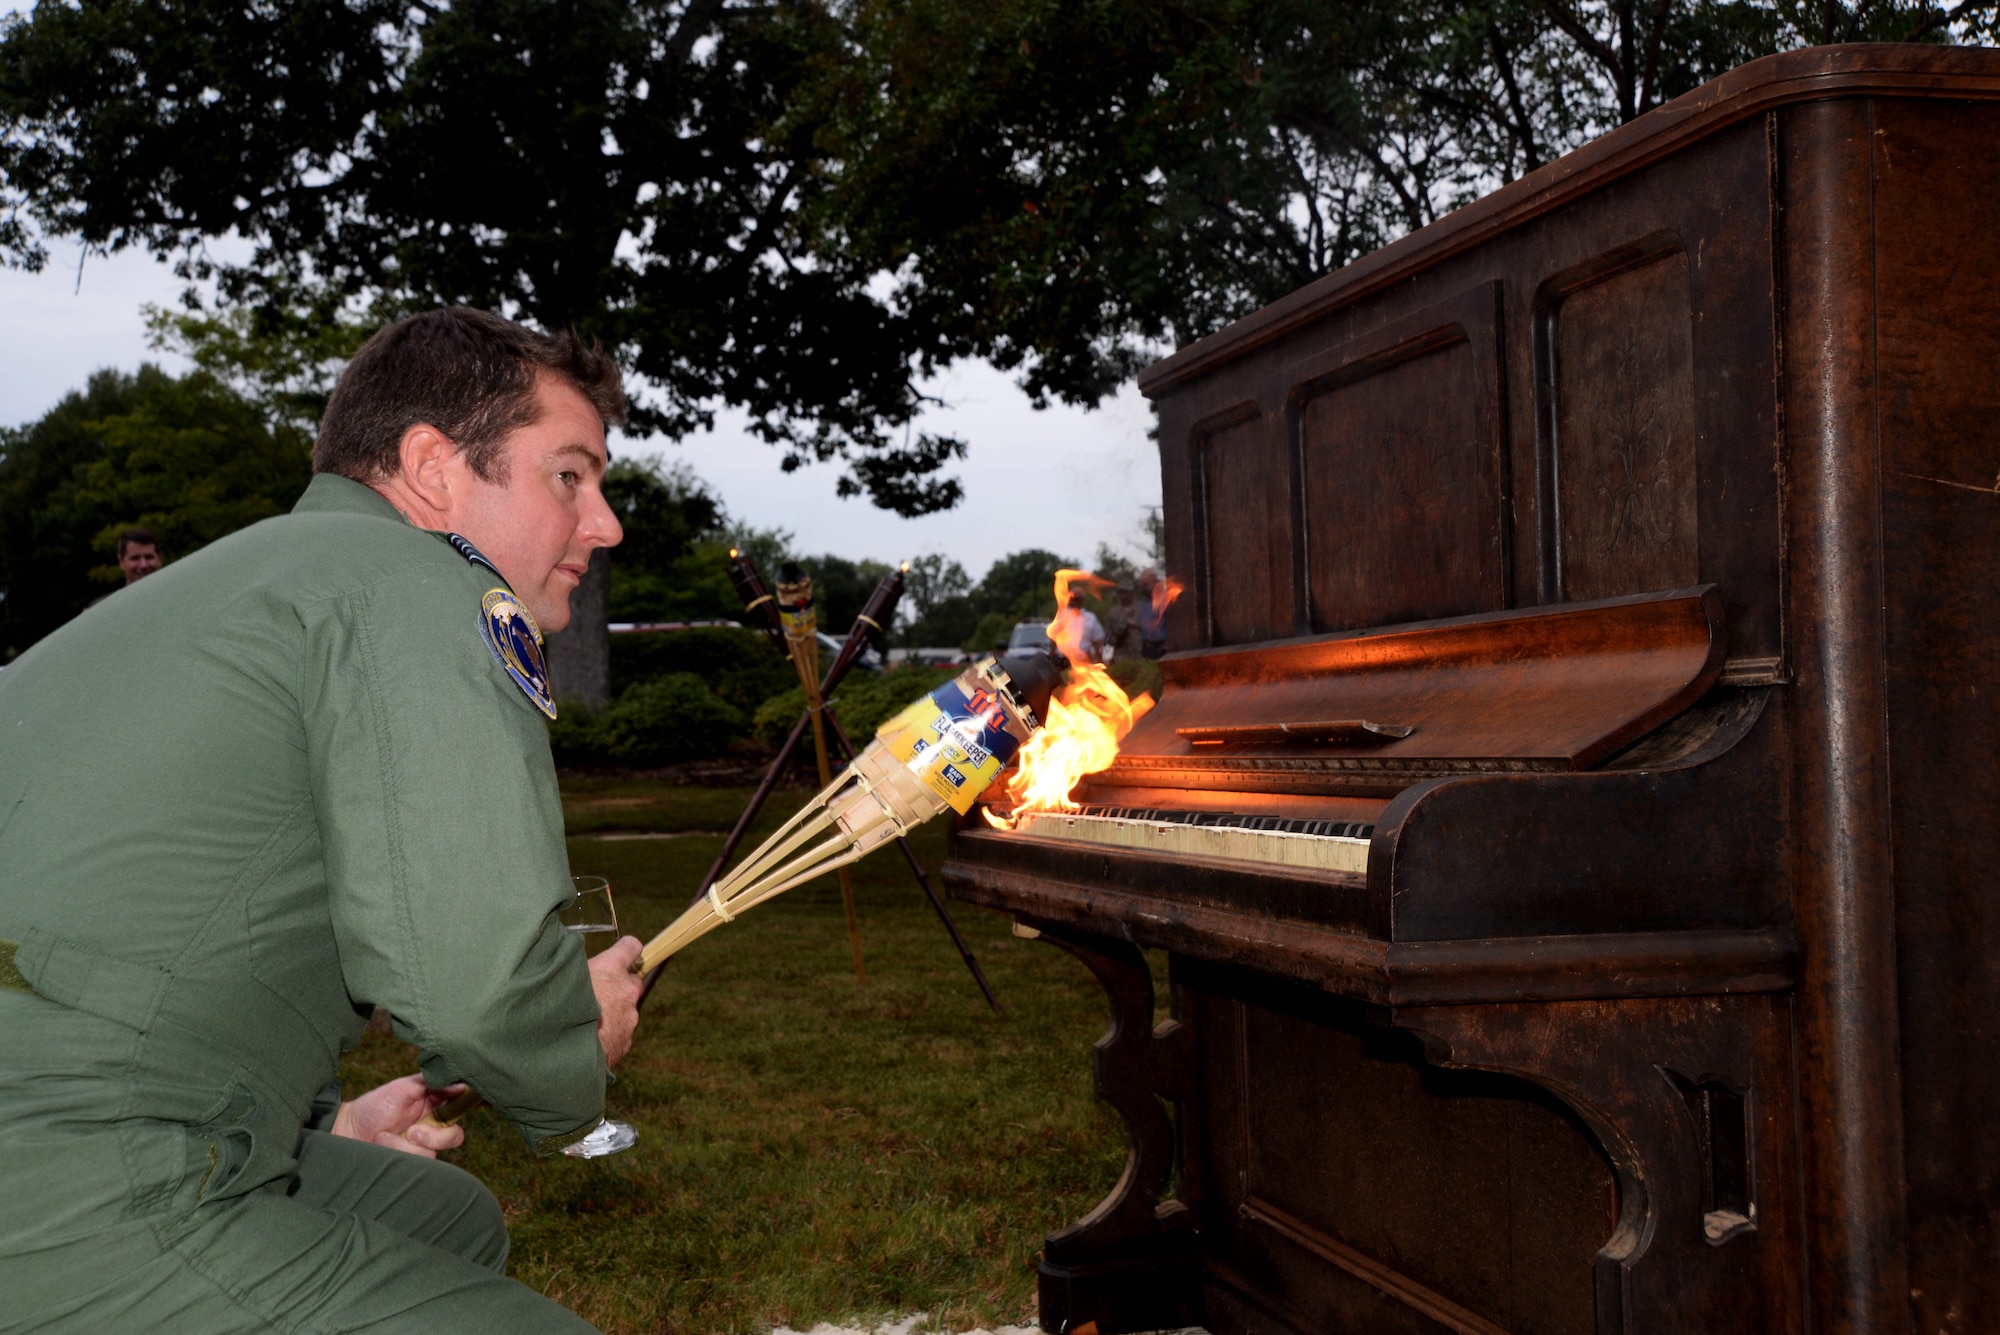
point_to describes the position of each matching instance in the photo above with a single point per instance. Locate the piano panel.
(1399, 1236)
(1625, 439)
(1939, 324)
(1246, 529)
(1401, 471)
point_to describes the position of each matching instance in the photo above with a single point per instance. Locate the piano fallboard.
(1547, 690)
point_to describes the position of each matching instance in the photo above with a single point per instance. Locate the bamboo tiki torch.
(801, 622)
(940, 753)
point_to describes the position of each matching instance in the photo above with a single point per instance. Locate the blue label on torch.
(955, 741)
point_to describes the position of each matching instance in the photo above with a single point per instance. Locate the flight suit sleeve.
(443, 841)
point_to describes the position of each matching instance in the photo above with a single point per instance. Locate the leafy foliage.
(738, 665)
(284, 359)
(841, 588)
(188, 458)
(637, 171)
(863, 703)
(659, 721)
(801, 207)
(1071, 188)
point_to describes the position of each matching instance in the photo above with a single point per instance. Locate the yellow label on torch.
(956, 743)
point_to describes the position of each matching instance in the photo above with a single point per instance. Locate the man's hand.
(392, 1115)
(617, 989)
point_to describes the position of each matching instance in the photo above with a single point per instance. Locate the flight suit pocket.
(90, 981)
(221, 1147)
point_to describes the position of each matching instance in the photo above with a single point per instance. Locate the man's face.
(138, 560)
(542, 519)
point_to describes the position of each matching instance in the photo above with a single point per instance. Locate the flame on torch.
(1087, 720)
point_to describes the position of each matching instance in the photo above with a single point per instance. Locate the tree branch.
(695, 20)
(1944, 18)
(1522, 127)
(1584, 38)
(1655, 40)
(1413, 212)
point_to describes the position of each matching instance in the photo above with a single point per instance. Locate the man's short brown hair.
(136, 537)
(468, 373)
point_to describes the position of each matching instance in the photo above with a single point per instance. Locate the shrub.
(738, 665)
(663, 721)
(1135, 675)
(862, 704)
(573, 735)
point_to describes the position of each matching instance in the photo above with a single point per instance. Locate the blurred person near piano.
(1152, 615)
(1077, 625)
(1121, 626)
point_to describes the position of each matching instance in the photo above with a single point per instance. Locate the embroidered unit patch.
(510, 632)
(471, 553)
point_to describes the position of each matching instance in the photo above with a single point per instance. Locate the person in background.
(1078, 625)
(1152, 616)
(1121, 626)
(138, 554)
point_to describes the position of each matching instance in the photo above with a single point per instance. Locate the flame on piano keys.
(1088, 717)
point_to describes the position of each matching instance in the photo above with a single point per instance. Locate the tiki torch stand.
(763, 608)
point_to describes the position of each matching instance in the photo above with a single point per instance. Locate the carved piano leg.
(1692, 1099)
(1131, 1263)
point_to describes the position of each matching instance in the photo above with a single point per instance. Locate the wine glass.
(590, 913)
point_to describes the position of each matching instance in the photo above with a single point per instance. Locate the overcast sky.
(1064, 480)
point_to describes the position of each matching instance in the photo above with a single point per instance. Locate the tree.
(187, 458)
(1074, 188)
(673, 530)
(1023, 584)
(637, 171)
(284, 359)
(841, 588)
(936, 606)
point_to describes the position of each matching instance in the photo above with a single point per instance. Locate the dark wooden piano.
(1572, 821)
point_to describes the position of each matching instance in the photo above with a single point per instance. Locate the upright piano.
(1572, 820)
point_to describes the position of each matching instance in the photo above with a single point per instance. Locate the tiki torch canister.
(758, 600)
(938, 754)
(801, 623)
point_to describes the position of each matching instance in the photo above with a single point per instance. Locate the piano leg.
(1131, 1264)
(1691, 1098)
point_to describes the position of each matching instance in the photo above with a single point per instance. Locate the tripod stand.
(757, 601)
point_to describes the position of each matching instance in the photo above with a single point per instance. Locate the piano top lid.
(1549, 688)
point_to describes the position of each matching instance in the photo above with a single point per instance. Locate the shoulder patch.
(516, 644)
(471, 553)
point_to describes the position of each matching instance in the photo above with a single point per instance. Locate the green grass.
(810, 1149)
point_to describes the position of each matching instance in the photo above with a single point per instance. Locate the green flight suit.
(274, 784)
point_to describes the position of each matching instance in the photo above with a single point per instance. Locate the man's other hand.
(618, 991)
(392, 1115)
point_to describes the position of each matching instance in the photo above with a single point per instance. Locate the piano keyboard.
(1316, 845)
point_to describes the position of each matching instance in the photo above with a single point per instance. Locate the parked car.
(630, 627)
(930, 656)
(1029, 635)
(869, 661)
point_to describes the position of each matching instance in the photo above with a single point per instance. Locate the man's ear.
(427, 457)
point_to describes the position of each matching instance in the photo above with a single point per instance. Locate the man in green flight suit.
(350, 802)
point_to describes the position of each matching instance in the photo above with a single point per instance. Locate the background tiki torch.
(800, 623)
